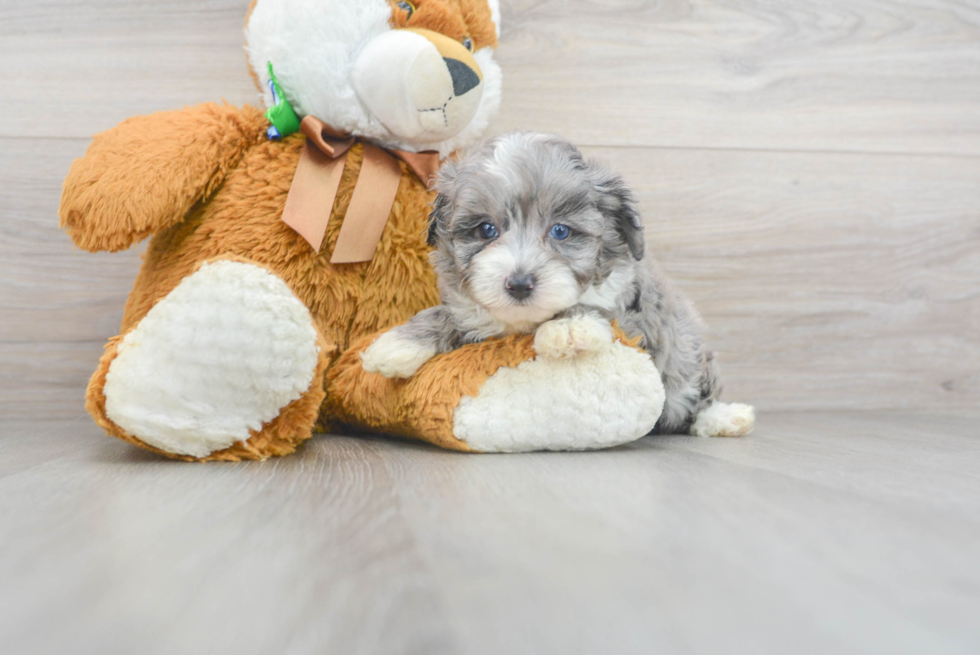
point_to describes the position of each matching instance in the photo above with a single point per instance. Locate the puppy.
(531, 237)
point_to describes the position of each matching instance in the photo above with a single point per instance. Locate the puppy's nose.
(520, 286)
(464, 77)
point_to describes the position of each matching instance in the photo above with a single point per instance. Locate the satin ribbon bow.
(314, 189)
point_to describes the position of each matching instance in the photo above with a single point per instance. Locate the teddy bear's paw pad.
(724, 420)
(584, 403)
(395, 355)
(568, 337)
(221, 355)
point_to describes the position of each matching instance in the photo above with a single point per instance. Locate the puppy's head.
(523, 225)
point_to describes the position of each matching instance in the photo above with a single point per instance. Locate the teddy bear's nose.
(464, 77)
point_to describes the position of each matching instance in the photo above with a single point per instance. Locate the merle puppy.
(531, 237)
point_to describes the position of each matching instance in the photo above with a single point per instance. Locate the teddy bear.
(282, 242)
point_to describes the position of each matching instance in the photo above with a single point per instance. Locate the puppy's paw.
(724, 420)
(568, 337)
(395, 356)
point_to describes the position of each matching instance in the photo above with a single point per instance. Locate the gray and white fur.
(505, 268)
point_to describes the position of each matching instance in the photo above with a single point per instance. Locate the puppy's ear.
(617, 204)
(442, 206)
(438, 218)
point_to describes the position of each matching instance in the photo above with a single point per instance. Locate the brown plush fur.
(145, 174)
(207, 184)
(454, 18)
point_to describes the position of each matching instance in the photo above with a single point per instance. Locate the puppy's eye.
(468, 43)
(487, 231)
(559, 231)
(407, 7)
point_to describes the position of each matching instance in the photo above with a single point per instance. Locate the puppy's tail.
(724, 420)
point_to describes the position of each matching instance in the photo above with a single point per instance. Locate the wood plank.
(926, 463)
(845, 75)
(702, 554)
(52, 292)
(298, 555)
(77, 68)
(46, 378)
(782, 542)
(851, 75)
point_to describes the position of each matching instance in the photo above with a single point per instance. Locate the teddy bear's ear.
(483, 20)
(617, 203)
(248, 12)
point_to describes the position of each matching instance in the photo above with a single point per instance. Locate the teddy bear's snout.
(422, 86)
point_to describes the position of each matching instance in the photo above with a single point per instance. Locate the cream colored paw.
(220, 355)
(724, 420)
(395, 356)
(567, 337)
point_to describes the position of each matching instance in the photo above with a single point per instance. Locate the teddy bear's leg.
(514, 394)
(228, 365)
(609, 394)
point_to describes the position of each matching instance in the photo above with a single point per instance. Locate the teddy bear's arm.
(499, 395)
(146, 173)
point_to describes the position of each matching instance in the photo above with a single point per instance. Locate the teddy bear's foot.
(214, 361)
(570, 403)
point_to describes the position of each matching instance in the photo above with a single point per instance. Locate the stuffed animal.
(283, 241)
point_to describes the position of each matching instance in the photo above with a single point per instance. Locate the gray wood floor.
(854, 533)
(809, 174)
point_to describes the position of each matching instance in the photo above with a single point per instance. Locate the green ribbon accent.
(282, 116)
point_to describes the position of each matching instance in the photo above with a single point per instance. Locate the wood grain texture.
(845, 75)
(853, 533)
(74, 68)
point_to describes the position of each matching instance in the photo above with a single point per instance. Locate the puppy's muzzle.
(519, 286)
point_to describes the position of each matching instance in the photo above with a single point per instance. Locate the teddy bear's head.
(410, 74)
